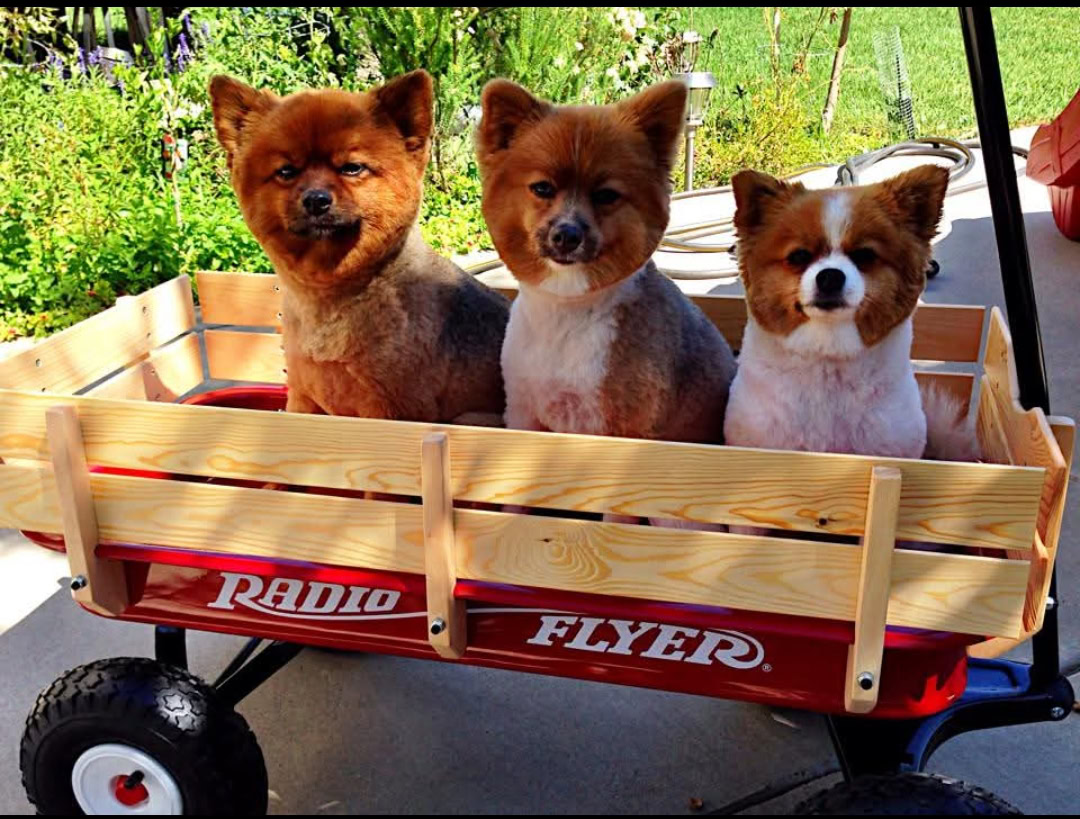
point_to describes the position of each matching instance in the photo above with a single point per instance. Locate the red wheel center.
(129, 797)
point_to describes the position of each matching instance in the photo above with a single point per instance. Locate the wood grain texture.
(439, 561)
(1031, 442)
(960, 593)
(972, 504)
(105, 583)
(245, 299)
(233, 355)
(942, 332)
(1030, 439)
(101, 344)
(168, 373)
(988, 428)
(1038, 588)
(242, 356)
(1064, 430)
(872, 594)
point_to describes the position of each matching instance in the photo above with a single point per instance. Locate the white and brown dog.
(832, 279)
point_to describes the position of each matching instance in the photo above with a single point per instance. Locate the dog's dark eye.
(800, 257)
(352, 169)
(863, 257)
(605, 196)
(287, 172)
(545, 190)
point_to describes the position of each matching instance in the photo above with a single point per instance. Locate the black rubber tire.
(163, 711)
(906, 794)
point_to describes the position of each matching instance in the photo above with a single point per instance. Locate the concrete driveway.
(372, 734)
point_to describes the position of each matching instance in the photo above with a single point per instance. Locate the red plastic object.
(796, 662)
(129, 797)
(1054, 160)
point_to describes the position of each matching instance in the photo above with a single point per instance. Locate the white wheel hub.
(99, 776)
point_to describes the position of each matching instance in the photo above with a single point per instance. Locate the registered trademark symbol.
(766, 668)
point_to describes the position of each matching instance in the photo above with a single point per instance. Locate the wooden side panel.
(971, 504)
(238, 356)
(942, 332)
(960, 593)
(95, 347)
(167, 374)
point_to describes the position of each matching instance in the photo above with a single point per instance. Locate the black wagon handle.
(989, 96)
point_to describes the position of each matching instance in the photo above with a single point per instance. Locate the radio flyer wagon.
(210, 510)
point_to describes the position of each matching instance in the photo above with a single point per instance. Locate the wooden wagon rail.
(151, 349)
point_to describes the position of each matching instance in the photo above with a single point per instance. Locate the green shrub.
(87, 214)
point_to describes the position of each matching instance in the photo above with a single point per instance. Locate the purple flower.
(81, 60)
(205, 28)
(95, 56)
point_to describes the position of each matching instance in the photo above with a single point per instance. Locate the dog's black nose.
(567, 236)
(317, 202)
(830, 281)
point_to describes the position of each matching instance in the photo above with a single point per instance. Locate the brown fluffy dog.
(375, 323)
(599, 341)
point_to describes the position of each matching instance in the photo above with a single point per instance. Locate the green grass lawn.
(1037, 48)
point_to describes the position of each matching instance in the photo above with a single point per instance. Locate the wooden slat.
(1064, 430)
(958, 385)
(948, 332)
(168, 373)
(246, 299)
(863, 680)
(445, 613)
(239, 356)
(1030, 439)
(1030, 442)
(101, 344)
(942, 332)
(988, 428)
(930, 590)
(974, 504)
(103, 582)
(1038, 585)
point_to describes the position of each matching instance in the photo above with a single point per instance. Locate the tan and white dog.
(832, 279)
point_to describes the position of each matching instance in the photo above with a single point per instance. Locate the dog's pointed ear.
(408, 102)
(756, 194)
(917, 197)
(507, 110)
(236, 107)
(660, 113)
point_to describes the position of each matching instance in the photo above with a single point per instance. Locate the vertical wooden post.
(446, 614)
(98, 584)
(863, 679)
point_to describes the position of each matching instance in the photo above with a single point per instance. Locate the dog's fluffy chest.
(555, 360)
(868, 404)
